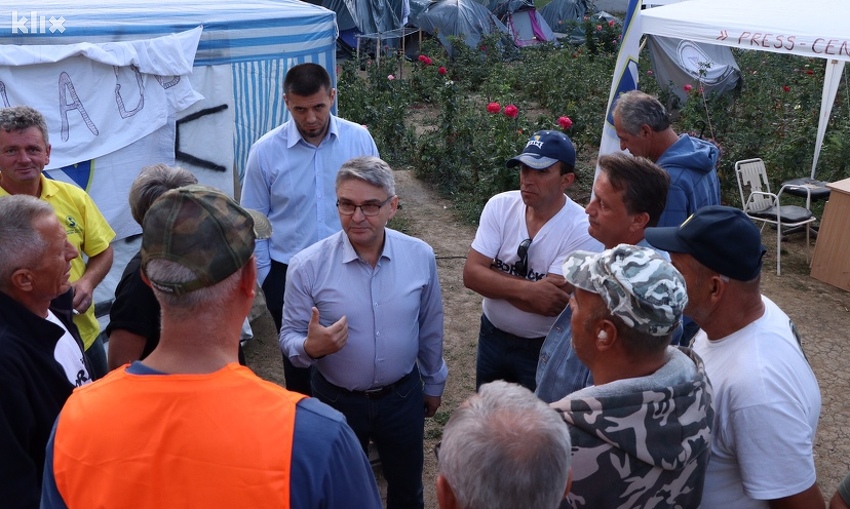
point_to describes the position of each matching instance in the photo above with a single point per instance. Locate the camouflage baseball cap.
(203, 230)
(638, 286)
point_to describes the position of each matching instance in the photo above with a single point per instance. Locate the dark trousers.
(96, 356)
(504, 356)
(395, 421)
(297, 379)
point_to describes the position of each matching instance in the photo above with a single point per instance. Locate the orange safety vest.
(219, 440)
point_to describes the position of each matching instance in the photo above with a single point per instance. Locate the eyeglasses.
(368, 209)
(521, 266)
(437, 450)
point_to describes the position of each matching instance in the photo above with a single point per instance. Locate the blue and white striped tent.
(260, 39)
(244, 51)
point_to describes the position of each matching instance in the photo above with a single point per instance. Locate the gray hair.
(635, 108)
(18, 118)
(370, 169)
(208, 302)
(152, 182)
(521, 445)
(638, 344)
(22, 244)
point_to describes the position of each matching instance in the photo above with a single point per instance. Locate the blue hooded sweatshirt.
(690, 162)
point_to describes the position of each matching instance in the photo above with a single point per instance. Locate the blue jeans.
(396, 423)
(560, 371)
(504, 356)
(96, 355)
(690, 330)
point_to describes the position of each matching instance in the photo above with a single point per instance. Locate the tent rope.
(705, 107)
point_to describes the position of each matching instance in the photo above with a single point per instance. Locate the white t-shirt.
(69, 355)
(500, 232)
(767, 403)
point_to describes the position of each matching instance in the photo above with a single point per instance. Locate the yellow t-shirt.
(87, 230)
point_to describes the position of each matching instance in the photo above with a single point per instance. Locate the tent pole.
(403, 53)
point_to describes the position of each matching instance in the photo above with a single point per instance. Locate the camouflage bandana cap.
(203, 230)
(637, 285)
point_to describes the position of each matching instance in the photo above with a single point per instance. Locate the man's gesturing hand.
(322, 340)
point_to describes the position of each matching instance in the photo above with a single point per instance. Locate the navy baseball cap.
(544, 149)
(721, 238)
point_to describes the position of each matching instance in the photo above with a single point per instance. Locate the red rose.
(442, 70)
(494, 107)
(688, 87)
(565, 122)
(809, 72)
(511, 111)
(611, 23)
(786, 88)
(423, 59)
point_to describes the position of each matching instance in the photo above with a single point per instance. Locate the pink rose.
(598, 28)
(494, 107)
(511, 111)
(565, 122)
(611, 23)
(688, 87)
(442, 70)
(390, 77)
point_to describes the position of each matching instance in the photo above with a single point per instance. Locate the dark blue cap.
(722, 238)
(544, 149)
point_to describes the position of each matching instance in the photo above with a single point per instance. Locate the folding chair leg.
(808, 245)
(778, 249)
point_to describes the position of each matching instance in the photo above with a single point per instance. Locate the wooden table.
(831, 261)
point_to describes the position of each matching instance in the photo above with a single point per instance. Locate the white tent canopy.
(818, 29)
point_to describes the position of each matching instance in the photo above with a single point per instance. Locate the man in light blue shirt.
(289, 177)
(364, 308)
(628, 196)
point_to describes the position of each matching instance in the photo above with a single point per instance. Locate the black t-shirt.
(135, 308)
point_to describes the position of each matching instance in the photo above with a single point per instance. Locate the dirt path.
(820, 311)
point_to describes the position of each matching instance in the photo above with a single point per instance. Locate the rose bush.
(470, 134)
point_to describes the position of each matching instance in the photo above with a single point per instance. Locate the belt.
(376, 392)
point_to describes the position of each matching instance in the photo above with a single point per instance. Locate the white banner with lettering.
(100, 98)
